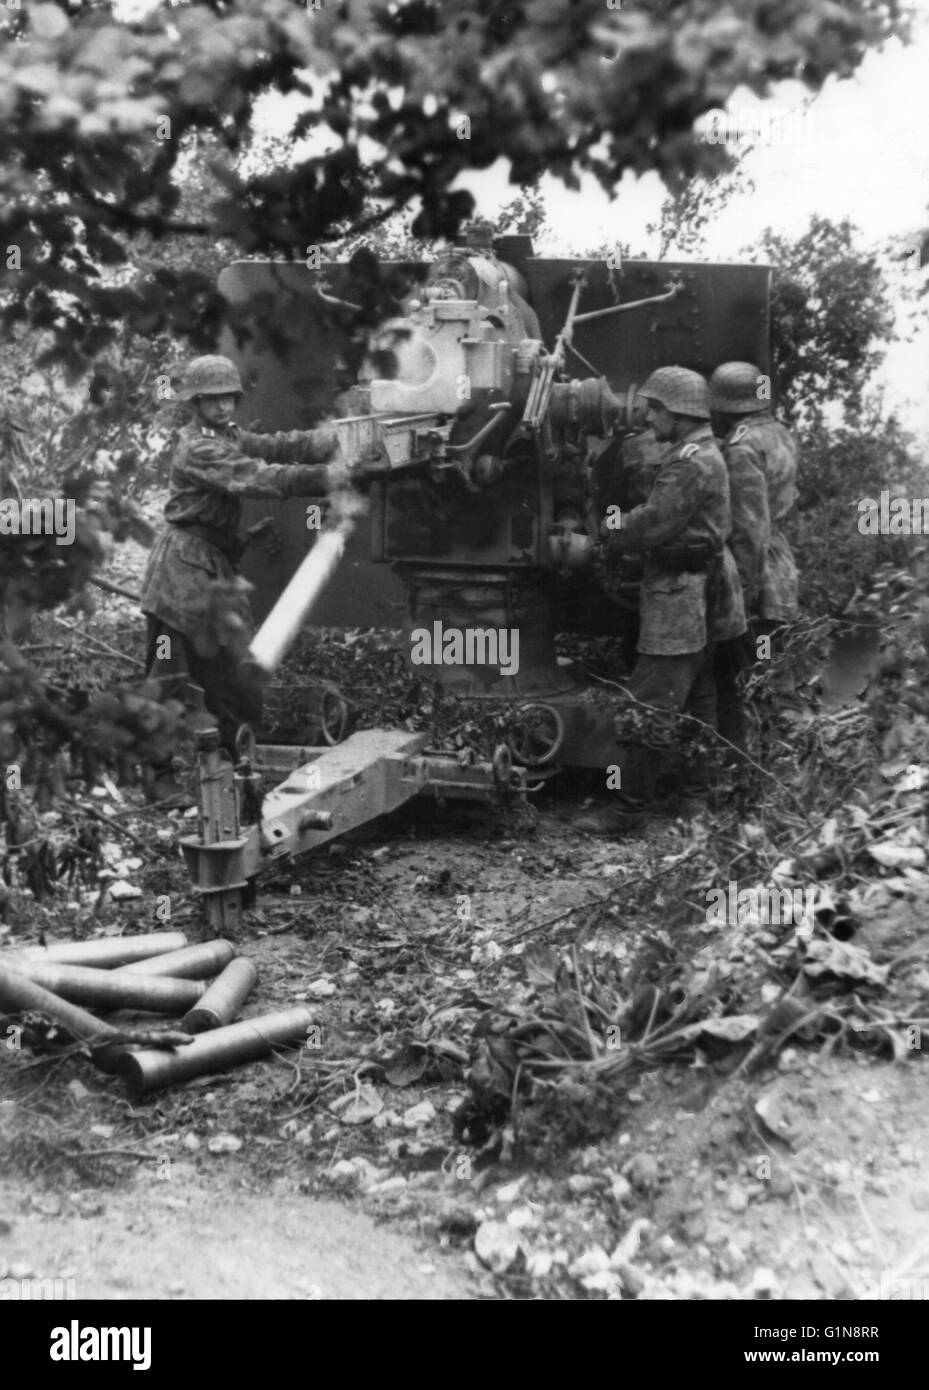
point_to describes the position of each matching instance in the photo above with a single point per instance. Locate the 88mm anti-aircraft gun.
(493, 421)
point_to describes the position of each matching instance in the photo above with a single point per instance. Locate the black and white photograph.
(464, 668)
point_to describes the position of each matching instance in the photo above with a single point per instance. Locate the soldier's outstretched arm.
(290, 446)
(218, 464)
(672, 502)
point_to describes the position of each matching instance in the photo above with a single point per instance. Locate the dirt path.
(195, 1237)
(413, 933)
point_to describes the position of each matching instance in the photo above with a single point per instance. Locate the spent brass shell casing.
(245, 1041)
(223, 998)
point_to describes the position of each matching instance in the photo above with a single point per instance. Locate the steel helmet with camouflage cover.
(210, 376)
(679, 390)
(734, 389)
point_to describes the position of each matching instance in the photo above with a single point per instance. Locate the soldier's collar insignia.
(738, 433)
(688, 451)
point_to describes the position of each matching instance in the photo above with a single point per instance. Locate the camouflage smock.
(211, 471)
(687, 506)
(762, 460)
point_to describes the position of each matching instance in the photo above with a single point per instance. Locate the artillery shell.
(245, 1041)
(223, 999)
(192, 963)
(107, 953)
(109, 989)
(19, 994)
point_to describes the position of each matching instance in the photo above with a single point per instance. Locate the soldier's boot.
(613, 823)
(625, 816)
(687, 807)
(197, 718)
(628, 812)
(160, 784)
(697, 778)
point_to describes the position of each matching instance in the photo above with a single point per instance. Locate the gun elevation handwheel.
(537, 735)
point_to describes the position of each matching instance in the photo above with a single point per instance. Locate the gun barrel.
(273, 639)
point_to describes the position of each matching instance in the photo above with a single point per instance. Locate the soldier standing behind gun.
(761, 457)
(691, 595)
(214, 466)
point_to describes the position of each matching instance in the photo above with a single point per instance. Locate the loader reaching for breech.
(493, 422)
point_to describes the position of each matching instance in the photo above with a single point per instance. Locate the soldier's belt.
(686, 559)
(220, 540)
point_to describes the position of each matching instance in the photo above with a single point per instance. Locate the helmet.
(210, 376)
(679, 390)
(734, 389)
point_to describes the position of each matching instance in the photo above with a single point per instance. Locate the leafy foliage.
(831, 317)
(525, 213)
(402, 98)
(688, 210)
(839, 465)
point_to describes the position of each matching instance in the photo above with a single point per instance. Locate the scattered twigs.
(598, 899)
(585, 1016)
(918, 948)
(117, 829)
(558, 917)
(901, 813)
(651, 1017)
(111, 1153)
(912, 1260)
(97, 641)
(717, 739)
(872, 1229)
(109, 587)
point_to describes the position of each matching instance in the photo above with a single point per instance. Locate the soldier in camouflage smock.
(761, 456)
(691, 595)
(215, 465)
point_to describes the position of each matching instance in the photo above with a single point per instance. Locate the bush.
(839, 466)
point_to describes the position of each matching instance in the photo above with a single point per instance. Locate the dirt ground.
(204, 1235)
(672, 1198)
